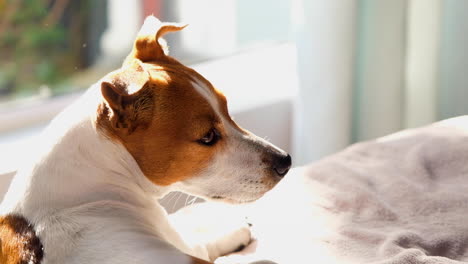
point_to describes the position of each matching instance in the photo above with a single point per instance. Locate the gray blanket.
(398, 199)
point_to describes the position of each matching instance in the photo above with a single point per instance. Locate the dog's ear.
(123, 111)
(149, 44)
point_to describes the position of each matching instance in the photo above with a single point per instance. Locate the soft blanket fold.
(399, 199)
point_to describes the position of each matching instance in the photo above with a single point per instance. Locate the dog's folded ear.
(149, 44)
(123, 112)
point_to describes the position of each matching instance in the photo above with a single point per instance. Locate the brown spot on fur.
(18, 241)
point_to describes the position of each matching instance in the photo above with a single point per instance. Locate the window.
(53, 47)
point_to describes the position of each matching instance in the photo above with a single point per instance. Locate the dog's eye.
(210, 138)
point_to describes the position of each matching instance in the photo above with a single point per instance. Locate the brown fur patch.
(166, 147)
(18, 241)
(149, 44)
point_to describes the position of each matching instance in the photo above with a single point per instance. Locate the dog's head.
(177, 127)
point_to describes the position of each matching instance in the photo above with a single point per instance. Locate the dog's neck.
(77, 164)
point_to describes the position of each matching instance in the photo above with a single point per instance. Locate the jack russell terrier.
(151, 127)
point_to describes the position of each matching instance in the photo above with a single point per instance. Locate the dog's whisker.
(191, 202)
(168, 198)
(175, 203)
(187, 200)
(172, 200)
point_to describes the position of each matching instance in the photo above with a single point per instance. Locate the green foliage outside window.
(41, 43)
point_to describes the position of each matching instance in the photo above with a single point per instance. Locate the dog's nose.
(282, 164)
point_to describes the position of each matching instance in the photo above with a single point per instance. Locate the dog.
(151, 127)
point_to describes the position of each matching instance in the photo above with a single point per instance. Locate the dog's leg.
(211, 229)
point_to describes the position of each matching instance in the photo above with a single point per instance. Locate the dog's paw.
(216, 230)
(229, 241)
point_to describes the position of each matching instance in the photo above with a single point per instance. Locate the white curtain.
(325, 42)
(368, 68)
